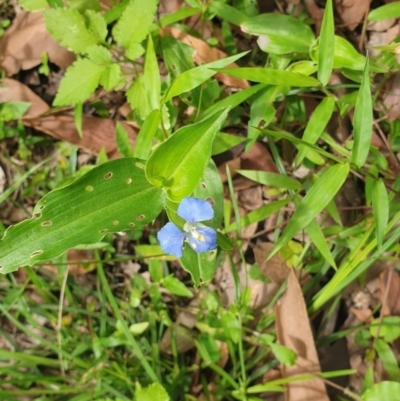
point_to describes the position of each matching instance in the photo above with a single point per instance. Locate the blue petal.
(202, 239)
(194, 210)
(171, 239)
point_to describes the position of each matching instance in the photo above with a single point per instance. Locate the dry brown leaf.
(206, 54)
(352, 12)
(12, 90)
(258, 158)
(275, 268)
(26, 40)
(98, 133)
(294, 331)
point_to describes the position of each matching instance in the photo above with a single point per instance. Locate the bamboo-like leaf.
(320, 194)
(380, 207)
(326, 44)
(362, 121)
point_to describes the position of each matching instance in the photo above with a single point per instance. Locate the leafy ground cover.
(199, 200)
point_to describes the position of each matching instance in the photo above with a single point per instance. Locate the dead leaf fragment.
(352, 12)
(14, 91)
(294, 331)
(23, 44)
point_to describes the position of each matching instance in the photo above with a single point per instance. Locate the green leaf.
(80, 81)
(33, 5)
(154, 392)
(68, 27)
(146, 134)
(114, 196)
(224, 142)
(326, 44)
(13, 110)
(137, 97)
(178, 15)
(258, 215)
(176, 287)
(316, 125)
(320, 194)
(99, 55)
(152, 81)
(97, 25)
(283, 354)
(388, 11)
(138, 328)
(111, 76)
(201, 266)
(227, 12)
(279, 34)
(122, 139)
(363, 118)
(387, 358)
(196, 76)
(380, 207)
(271, 179)
(388, 329)
(134, 25)
(387, 391)
(271, 77)
(179, 162)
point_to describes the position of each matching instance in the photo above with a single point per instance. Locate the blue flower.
(200, 237)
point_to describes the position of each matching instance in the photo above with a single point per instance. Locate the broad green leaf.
(178, 163)
(227, 12)
(224, 142)
(383, 391)
(388, 11)
(176, 287)
(279, 34)
(316, 125)
(258, 215)
(151, 76)
(111, 76)
(33, 5)
(234, 100)
(283, 354)
(83, 5)
(134, 25)
(388, 329)
(79, 82)
(388, 359)
(326, 44)
(178, 56)
(380, 207)
(320, 194)
(99, 55)
(154, 392)
(114, 196)
(97, 25)
(363, 118)
(68, 27)
(146, 134)
(138, 328)
(137, 97)
(271, 77)
(122, 139)
(201, 266)
(196, 76)
(271, 179)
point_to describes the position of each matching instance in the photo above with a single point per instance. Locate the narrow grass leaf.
(151, 76)
(227, 12)
(380, 207)
(271, 179)
(388, 359)
(196, 76)
(388, 11)
(146, 134)
(271, 76)
(320, 194)
(122, 139)
(362, 121)
(318, 121)
(326, 44)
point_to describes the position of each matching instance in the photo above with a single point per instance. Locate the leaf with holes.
(114, 196)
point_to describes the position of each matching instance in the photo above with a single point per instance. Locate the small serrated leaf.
(68, 27)
(134, 25)
(97, 25)
(111, 76)
(99, 55)
(80, 81)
